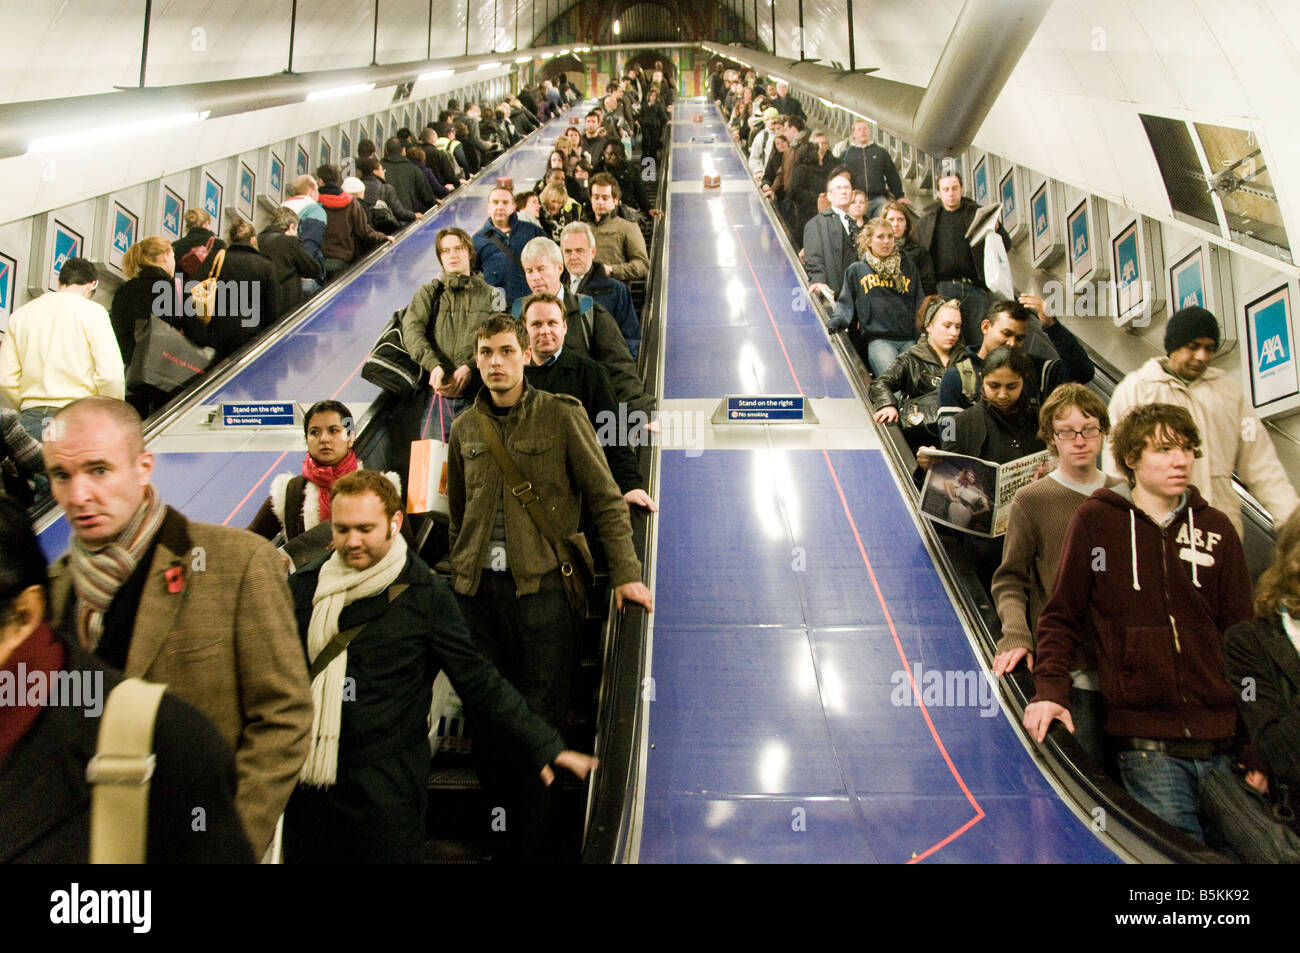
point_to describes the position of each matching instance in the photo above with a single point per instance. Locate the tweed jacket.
(215, 624)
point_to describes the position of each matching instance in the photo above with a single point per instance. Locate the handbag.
(382, 218)
(193, 259)
(577, 568)
(920, 413)
(204, 294)
(390, 366)
(166, 359)
(1254, 829)
(426, 485)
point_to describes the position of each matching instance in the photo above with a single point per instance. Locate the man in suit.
(202, 609)
(830, 238)
(587, 276)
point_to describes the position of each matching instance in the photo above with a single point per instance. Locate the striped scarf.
(98, 574)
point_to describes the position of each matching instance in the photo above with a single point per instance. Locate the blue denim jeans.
(1169, 787)
(975, 301)
(881, 352)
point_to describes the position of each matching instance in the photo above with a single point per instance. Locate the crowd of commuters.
(528, 339)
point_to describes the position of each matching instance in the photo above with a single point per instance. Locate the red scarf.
(40, 651)
(324, 477)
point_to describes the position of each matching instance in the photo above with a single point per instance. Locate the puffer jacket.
(1219, 408)
(1160, 608)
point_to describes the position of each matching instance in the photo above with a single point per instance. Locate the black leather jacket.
(915, 373)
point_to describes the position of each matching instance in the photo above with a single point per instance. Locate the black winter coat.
(248, 299)
(409, 182)
(191, 239)
(375, 811)
(291, 262)
(585, 379)
(45, 799)
(1260, 650)
(981, 431)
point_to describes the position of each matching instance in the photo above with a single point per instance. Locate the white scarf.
(337, 585)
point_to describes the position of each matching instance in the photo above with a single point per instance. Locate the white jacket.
(1218, 406)
(760, 150)
(59, 348)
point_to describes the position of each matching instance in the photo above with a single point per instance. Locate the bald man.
(203, 609)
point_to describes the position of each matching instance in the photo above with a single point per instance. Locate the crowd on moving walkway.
(1120, 580)
(308, 701)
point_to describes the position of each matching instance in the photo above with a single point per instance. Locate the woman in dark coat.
(896, 214)
(653, 119)
(247, 293)
(807, 181)
(197, 232)
(151, 289)
(1265, 652)
(913, 379)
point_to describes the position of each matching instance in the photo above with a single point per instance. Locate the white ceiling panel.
(56, 48)
(332, 35)
(404, 33)
(196, 41)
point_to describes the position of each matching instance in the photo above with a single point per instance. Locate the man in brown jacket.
(203, 609)
(506, 573)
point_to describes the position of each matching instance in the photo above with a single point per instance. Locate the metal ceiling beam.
(987, 41)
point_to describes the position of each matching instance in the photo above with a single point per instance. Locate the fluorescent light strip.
(486, 66)
(523, 59)
(46, 143)
(435, 74)
(340, 91)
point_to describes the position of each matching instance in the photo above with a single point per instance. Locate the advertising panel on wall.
(275, 178)
(172, 221)
(1199, 275)
(304, 161)
(1138, 286)
(1046, 244)
(8, 287)
(1269, 364)
(247, 189)
(210, 198)
(123, 227)
(64, 242)
(983, 174)
(1087, 233)
(1011, 193)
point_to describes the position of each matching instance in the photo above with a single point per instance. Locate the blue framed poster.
(980, 181)
(1128, 268)
(212, 193)
(379, 132)
(173, 214)
(324, 151)
(247, 189)
(8, 286)
(345, 146)
(304, 161)
(1080, 242)
(68, 243)
(1187, 282)
(126, 224)
(277, 177)
(1044, 224)
(1010, 198)
(1273, 373)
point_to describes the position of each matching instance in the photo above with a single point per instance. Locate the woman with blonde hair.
(198, 230)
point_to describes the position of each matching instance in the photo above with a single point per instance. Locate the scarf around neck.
(98, 574)
(891, 268)
(337, 585)
(323, 477)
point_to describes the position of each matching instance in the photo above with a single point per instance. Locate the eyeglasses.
(1087, 433)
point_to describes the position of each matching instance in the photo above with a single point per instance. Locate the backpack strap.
(120, 772)
(969, 379)
(295, 493)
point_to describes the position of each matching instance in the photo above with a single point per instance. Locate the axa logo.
(122, 240)
(1272, 351)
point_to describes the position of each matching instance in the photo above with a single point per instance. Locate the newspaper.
(974, 495)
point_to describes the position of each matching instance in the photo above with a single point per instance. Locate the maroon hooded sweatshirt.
(1160, 599)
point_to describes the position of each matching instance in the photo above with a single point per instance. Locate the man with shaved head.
(203, 609)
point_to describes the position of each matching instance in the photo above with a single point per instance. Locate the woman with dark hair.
(299, 502)
(419, 158)
(1265, 654)
(898, 217)
(912, 381)
(880, 299)
(1003, 424)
